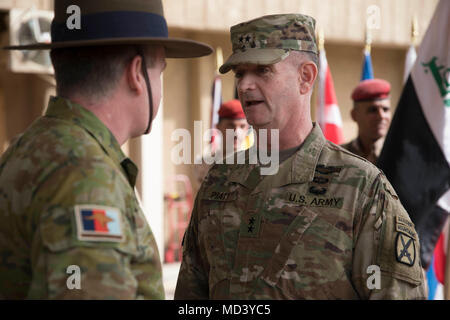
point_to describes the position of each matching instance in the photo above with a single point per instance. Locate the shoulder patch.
(405, 249)
(98, 223)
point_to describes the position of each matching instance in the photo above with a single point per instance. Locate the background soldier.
(232, 117)
(66, 188)
(327, 225)
(372, 113)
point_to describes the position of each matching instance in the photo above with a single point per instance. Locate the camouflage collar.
(64, 109)
(299, 168)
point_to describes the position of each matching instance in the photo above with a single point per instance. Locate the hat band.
(114, 24)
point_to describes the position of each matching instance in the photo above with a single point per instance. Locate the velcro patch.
(405, 230)
(311, 201)
(402, 220)
(404, 225)
(98, 223)
(405, 249)
(250, 226)
(221, 196)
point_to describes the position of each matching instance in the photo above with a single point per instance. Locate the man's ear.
(307, 73)
(134, 75)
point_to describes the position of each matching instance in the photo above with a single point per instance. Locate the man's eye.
(238, 75)
(263, 70)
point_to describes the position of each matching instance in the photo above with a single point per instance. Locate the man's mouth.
(251, 103)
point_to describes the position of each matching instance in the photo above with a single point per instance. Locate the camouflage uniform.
(311, 231)
(66, 159)
(354, 146)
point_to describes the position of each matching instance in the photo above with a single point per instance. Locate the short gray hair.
(298, 56)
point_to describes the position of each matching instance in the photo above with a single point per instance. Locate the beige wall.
(342, 20)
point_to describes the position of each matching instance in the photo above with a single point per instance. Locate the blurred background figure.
(231, 116)
(372, 113)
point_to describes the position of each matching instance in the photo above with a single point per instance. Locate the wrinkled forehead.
(249, 66)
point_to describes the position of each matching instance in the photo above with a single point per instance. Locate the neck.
(108, 110)
(367, 144)
(289, 137)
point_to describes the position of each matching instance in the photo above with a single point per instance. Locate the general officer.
(71, 225)
(325, 225)
(372, 113)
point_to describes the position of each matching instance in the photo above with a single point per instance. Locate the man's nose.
(246, 83)
(381, 113)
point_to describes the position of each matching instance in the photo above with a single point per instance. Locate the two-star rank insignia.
(98, 223)
(250, 225)
(405, 249)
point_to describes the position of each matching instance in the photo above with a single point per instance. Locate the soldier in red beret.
(372, 113)
(231, 116)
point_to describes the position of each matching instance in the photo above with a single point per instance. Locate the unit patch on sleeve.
(405, 249)
(98, 223)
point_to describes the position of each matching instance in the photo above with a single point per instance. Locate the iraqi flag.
(416, 153)
(328, 114)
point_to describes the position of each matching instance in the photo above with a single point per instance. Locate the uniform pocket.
(310, 260)
(211, 237)
(280, 259)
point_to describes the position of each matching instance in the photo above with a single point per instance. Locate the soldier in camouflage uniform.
(326, 225)
(68, 206)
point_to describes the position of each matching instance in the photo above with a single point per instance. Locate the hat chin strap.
(149, 90)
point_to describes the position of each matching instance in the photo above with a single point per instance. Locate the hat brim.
(254, 56)
(175, 48)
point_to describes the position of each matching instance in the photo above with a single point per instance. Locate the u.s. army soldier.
(67, 200)
(326, 225)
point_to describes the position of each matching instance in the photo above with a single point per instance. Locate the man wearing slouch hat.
(71, 224)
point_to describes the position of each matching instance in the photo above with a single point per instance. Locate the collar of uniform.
(298, 168)
(241, 172)
(64, 109)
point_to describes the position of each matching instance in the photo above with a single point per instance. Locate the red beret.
(371, 89)
(231, 110)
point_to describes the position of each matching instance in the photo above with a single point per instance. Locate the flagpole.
(367, 72)
(368, 45)
(321, 92)
(217, 91)
(414, 31)
(219, 59)
(411, 54)
(216, 98)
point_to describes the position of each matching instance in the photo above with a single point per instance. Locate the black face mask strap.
(149, 89)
